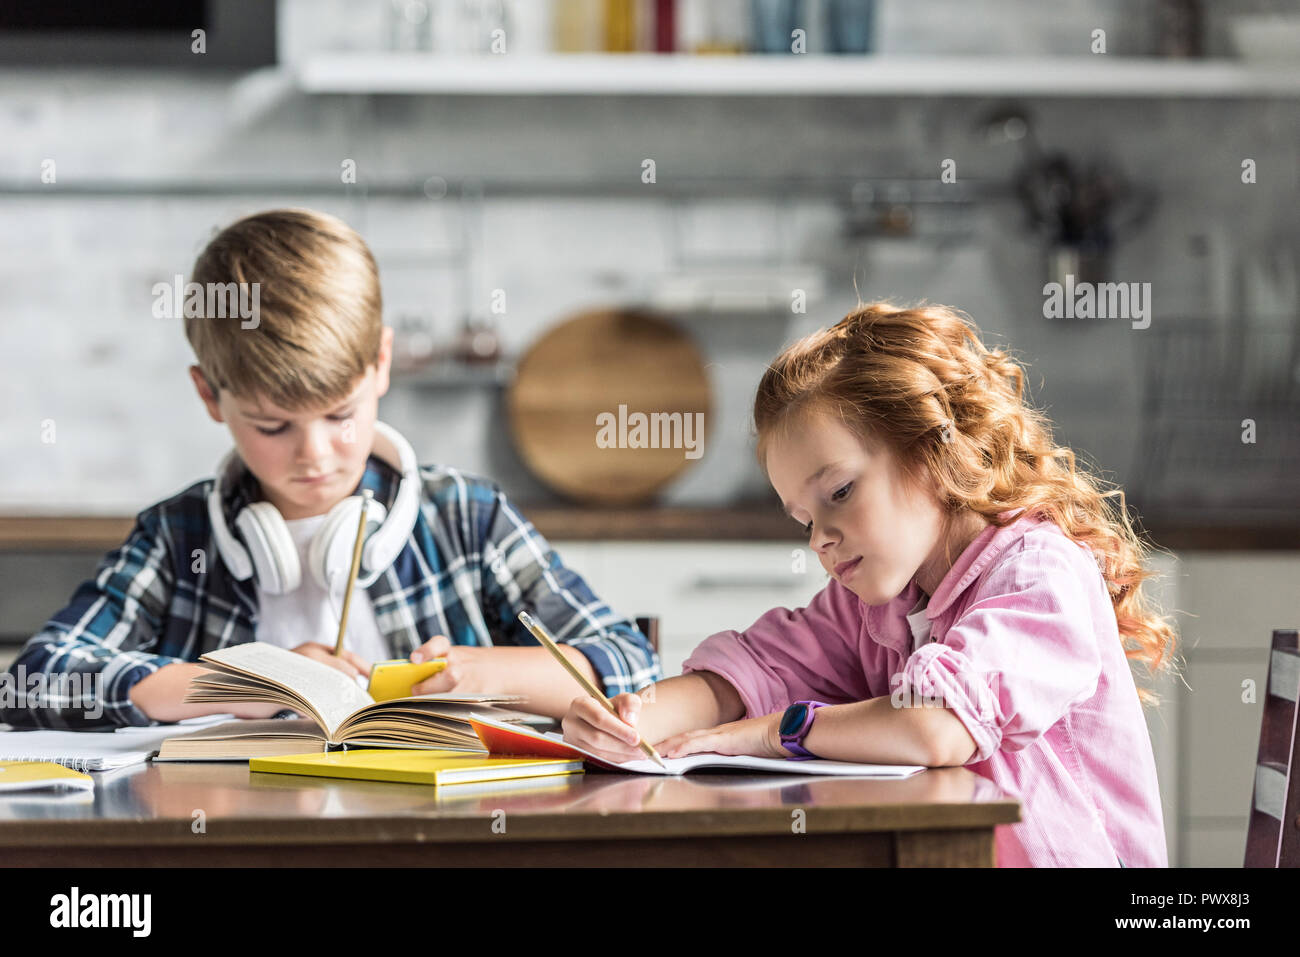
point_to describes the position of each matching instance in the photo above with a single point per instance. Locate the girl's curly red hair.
(954, 413)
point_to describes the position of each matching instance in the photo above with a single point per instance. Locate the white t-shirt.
(919, 624)
(308, 614)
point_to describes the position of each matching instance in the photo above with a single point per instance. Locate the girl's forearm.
(700, 699)
(876, 732)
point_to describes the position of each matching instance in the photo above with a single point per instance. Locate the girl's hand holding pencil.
(544, 638)
(589, 725)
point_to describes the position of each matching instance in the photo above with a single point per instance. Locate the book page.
(259, 727)
(430, 708)
(517, 739)
(331, 693)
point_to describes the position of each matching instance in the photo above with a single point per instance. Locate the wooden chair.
(650, 628)
(1273, 834)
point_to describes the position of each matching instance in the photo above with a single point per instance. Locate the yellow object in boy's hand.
(396, 678)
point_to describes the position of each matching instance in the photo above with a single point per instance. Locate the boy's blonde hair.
(320, 316)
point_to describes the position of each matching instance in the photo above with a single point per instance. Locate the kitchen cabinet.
(36, 585)
(695, 589)
(1223, 733)
(1229, 604)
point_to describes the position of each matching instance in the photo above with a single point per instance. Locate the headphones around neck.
(268, 549)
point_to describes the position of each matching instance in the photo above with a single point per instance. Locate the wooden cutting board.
(565, 415)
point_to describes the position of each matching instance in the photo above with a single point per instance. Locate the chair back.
(1273, 834)
(650, 628)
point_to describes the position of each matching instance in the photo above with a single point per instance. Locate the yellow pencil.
(367, 495)
(533, 625)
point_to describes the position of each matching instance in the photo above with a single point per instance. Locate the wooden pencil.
(533, 625)
(366, 496)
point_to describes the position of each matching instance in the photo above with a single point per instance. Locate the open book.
(337, 712)
(501, 738)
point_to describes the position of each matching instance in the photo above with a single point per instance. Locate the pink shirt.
(1025, 651)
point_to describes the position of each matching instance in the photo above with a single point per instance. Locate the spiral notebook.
(97, 750)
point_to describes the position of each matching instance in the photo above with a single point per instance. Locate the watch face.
(793, 719)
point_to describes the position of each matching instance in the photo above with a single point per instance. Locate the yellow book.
(38, 775)
(414, 767)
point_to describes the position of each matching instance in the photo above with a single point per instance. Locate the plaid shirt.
(471, 565)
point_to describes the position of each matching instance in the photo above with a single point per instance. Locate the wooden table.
(214, 815)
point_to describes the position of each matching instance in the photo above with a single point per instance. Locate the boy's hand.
(588, 725)
(469, 669)
(161, 696)
(435, 647)
(350, 663)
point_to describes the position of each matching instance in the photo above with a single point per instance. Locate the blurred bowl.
(1266, 36)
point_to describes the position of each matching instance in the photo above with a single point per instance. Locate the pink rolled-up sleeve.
(790, 654)
(1020, 656)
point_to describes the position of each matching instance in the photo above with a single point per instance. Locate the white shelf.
(790, 75)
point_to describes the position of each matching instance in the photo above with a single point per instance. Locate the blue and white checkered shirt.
(472, 563)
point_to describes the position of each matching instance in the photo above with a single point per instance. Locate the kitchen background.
(504, 193)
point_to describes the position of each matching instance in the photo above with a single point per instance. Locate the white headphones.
(269, 550)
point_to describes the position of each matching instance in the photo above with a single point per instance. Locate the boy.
(299, 387)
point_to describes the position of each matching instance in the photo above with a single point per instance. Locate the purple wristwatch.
(795, 725)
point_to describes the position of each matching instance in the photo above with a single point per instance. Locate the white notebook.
(96, 750)
(515, 739)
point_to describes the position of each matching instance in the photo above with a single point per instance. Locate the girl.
(984, 604)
